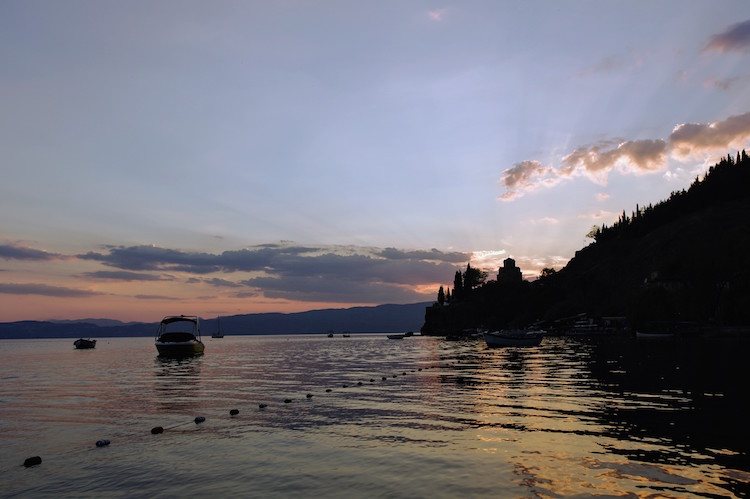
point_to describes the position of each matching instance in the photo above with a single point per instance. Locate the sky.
(230, 157)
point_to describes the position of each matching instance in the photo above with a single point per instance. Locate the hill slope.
(684, 259)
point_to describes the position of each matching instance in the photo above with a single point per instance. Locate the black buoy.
(32, 461)
(372, 380)
(286, 401)
(199, 419)
(359, 383)
(309, 395)
(234, 412)
(262, 406)
(328, 390)
(383, 378)
(156, 430)
(102, 443)
(343, 386)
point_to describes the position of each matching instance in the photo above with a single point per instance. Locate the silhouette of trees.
(473, 277)
(726, 181)
(441, 296)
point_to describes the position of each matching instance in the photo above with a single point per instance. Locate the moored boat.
(218, 333)
(179, 336)
(396, 336)
(84, 343)
(654, 335)
(587, 327)
(513, 338)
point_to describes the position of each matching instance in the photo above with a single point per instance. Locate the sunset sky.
(227, 157)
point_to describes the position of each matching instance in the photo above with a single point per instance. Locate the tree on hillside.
(473, 277)
(441, 296)
(458, 285)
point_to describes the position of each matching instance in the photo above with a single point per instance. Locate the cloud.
(123, 275)
(45, 290)
(596, 161)
(634, 157)
(725, 84)
(17, 252)
(697, 139)
(436, 15)
(156, 297)
(613, 63)
(296, 272)
(526, 176)
(735, 38)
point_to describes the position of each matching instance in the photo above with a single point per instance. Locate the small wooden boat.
(396, 336)
(513, 338)
(179, 336)
(84, 343)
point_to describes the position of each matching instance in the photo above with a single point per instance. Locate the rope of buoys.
(156, 430)
(37, 460)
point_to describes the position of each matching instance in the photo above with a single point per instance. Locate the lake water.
(419, 417)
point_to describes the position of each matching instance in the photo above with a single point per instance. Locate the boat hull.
(84, 344)
(179, 349)
(515, 339)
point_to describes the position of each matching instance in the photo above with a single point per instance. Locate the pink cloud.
(735, 38)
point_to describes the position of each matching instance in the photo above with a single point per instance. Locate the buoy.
(328, 390)
(309, 395)
(372, 380)
(286, 401)
(262, 406)
(359, 383)
(102, 443)
(234, 412)
(383, 378)
(343, 386)
(32, 461)
(156, 430)
(199, 419)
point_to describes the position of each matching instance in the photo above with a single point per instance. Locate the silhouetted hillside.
(684, 259)
(383, 318)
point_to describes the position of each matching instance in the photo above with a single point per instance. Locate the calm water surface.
(419, 417)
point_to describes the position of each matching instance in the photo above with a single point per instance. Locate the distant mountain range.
(379, 319)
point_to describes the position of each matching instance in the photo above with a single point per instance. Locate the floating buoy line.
(158, 430)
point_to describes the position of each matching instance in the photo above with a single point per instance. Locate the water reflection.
(177, 384)
(599, 414)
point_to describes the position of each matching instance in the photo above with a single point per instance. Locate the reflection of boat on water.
(178, 336)
(84, 343)
(396, 336)
(218, 333)
(513, 338)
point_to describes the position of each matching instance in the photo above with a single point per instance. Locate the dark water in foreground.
(451, 419)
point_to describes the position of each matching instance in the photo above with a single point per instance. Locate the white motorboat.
(513, 338)
(179, 336)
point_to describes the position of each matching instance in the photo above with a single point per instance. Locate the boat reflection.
(177, 383)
